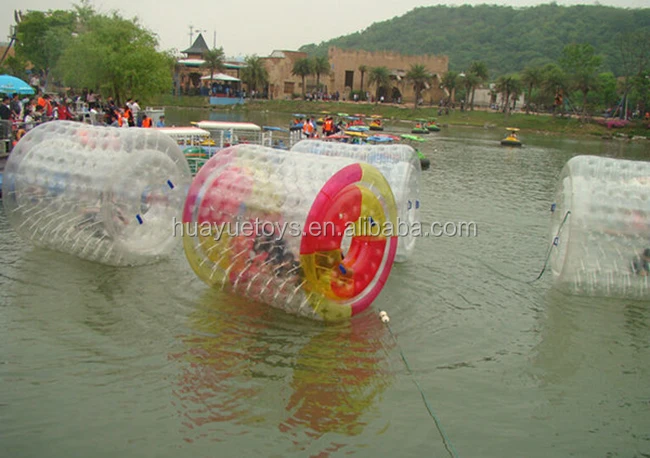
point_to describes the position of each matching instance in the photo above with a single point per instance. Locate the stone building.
(279, 65)
(345, 75)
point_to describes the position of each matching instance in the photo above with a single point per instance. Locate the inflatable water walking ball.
(401, 167)
(299, 232)
(104, 194)
(600, 228)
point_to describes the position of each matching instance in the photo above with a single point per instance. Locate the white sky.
(259, 26)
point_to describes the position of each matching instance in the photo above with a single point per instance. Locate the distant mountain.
(507, 39)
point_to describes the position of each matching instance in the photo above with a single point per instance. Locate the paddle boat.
(432, 126)
(298, 120)
(511, 138)
(380, 139)
(358, 128)
(420, 127)
(425, 163)
(376, 124)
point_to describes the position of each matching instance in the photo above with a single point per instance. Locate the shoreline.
(542, 123)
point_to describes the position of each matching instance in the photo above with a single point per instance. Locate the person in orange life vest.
(44, 102)
(146, 121)
(308, 128)
(128, 116)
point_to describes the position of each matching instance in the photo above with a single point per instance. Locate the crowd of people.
(19, 114)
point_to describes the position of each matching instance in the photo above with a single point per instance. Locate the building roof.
(191, 62)
(220, 77)
(198, 47)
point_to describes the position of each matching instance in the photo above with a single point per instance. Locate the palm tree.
(449, 82)
(419, 76)
(480, 71)
(470, 82)
(531, 77)
(508, 85)
(363, 69)
(302, 68)
(255, 74)
(320, 65)
(214, 60)
(580, 61)
(380, 77)
(554, 82)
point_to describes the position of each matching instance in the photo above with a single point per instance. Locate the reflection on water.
(143, 362)
(238, 356)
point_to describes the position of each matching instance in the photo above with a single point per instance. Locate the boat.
(358, 128)
(376, 124)
(432, 126)
(511, 138)
(425, 163)
(420, 127)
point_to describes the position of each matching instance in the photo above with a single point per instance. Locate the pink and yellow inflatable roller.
(315, 236)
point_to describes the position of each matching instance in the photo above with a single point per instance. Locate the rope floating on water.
(445, 440)
(554, 243)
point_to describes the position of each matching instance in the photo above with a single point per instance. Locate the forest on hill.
(507, 39)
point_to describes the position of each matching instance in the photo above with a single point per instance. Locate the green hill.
(507, 39)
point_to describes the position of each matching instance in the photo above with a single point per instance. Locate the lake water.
(149, 362)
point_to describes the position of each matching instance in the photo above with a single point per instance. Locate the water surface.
(148, 361)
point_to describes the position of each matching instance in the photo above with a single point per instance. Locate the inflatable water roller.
(104, 194)
(601, 226)
(399, 164)
(299, 232)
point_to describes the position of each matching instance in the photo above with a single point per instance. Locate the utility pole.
(191, 34)
(214, 40)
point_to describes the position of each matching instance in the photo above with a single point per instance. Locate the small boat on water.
(432, 126)
(420, 127)
(511, 138)
(425, 163)
(376, 124)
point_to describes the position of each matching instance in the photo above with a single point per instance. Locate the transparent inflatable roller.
(298, 232)
(104, 194)
(399, 164)
(601, 228)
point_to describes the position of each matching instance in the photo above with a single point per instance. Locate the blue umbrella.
(12, 85)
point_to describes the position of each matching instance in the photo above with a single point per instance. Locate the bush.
(361, 96)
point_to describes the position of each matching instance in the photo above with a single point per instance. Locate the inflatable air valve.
(399, 164)
(270, 224)
(600, 225)
(103, 194)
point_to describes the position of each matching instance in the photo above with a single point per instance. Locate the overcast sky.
(259, 26)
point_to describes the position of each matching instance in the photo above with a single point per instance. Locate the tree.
(553, 86)
(42, 37)
(450, 82)
(470, 82)
(508, 85)
(320, 65)
(116, 57)
(634, 49)
(363, 69)
(531, 77)
(380, 77)
(255, 74)
(582, 64)
(302, 68)
(419, 76)
(214, 60)
(480, 71)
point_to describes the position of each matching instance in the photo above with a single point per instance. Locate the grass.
(478, 118)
